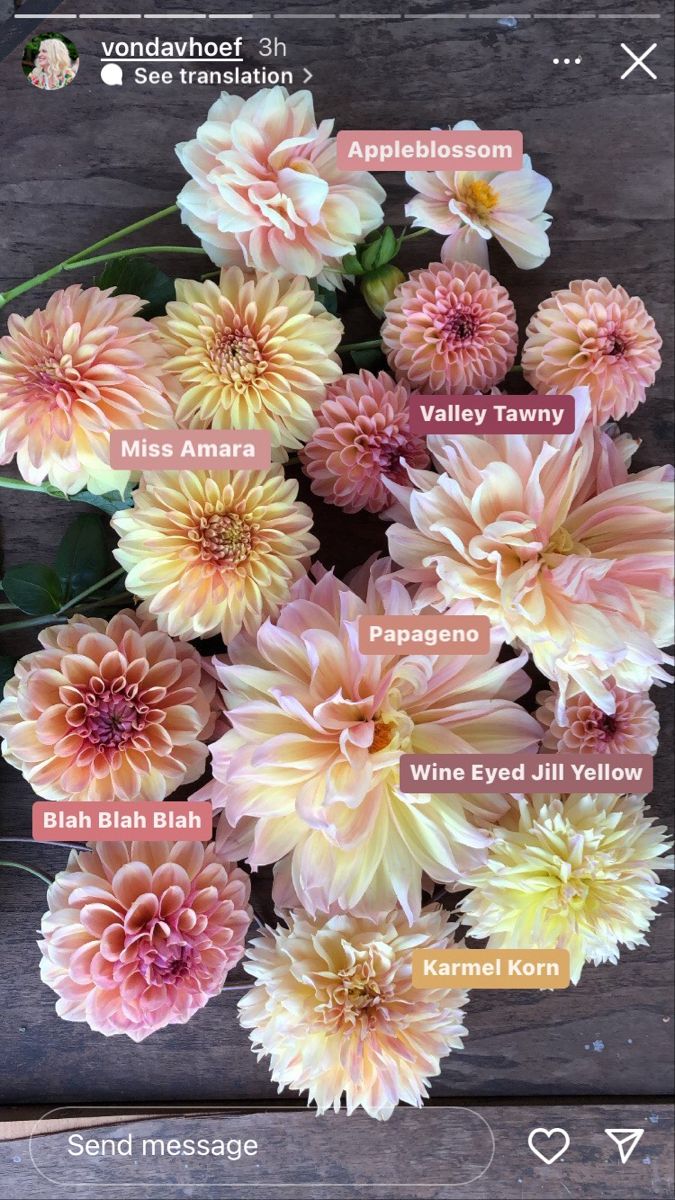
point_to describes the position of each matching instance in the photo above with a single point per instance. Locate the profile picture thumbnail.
(50, 61)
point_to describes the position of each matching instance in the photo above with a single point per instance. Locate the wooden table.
(81, 163)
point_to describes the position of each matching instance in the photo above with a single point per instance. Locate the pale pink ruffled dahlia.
(107, 710)
(334, 1009)
(70, 373)
(450, 329)
(552, 539)
(363, 437)
(583, 728)
(266, 192)
(592, 334)
(308, 775)
(140, 935)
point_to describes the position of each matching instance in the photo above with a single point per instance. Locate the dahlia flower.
(573, 872)
(107, 710)
(583, 728)
(592, 334)
(553, 540)
(450, 329)
(140, 935)
(213, 551)
(473, 206)
(266, 192)
(363, 437)
(249, 353)
(334, 1009)
(309, 772)
(69, 374)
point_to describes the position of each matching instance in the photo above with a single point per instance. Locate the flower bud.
(378, 287)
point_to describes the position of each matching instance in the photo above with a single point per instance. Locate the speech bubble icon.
(112, 74)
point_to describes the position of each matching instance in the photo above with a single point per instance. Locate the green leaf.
(368, 360)
(326, 297)
(81, 558)
(379, 252)
(6, 670)
(110, 502)
(137, 276)
(34, 589)
(351, 266)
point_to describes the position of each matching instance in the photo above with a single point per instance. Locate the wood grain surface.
(81, 163)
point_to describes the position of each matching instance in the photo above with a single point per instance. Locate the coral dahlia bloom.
(471, 207)
(107, 710)
(249, 353)
(309, 772)
(334, 1009)
(592, 334)
(583, 728)
(69, 374)
(556, 543)
(450, 329)
(213, 551)
(140, 935)
(573, 872)
(363, 437)
(266, 192)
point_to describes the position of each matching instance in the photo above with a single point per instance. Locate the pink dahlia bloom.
(450, 329)
(266, 192)
(107, 710)
(592, 334)
(69, 374)
(471, 207)
(583, 728)
(363, 438)
(140, 935)
(556, 543)
(308, 775)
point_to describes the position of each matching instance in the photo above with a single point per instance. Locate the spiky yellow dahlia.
(213, 551)
(309, 772)
(334, 1009)
(574, 872)
(69, 374)
(249, 352)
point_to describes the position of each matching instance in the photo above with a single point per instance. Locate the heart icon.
(548, 1133)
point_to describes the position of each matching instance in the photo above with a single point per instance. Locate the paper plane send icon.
(626, 1141)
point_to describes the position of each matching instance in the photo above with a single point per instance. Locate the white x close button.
(638, 60)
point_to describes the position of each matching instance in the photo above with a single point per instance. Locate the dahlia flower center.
(225, 538)
(56, 379)
(357, 993)
(236, 356)
(163, 960)
(480, 199)
(109, 718)
(613, 343)
(456, 321)
(392, 457)
(562, 543)
(383, 734)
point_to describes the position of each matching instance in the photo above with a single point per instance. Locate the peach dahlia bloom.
(140, 935)
(249, 353)
(334, 1009)
(575, 872)
(471, 207)
(363, 437)
(592, 334)
(309, 772)
(69, 374)
(213, 551)
(266, 192)
(450, 329)
(553, 540)
(107, 710)
(583, 728)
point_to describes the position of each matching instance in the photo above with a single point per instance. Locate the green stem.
(82, 254)
(61, 614)
(99, 258)
(516, 370)
(20, 485)
(359, 346)
(95, 587)
(408, 237)
(106, 601)
(7, 862)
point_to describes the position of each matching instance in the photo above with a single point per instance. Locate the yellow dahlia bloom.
(576, 872)
(334, 1008)
(69, 374)
(250, 352)
(213, 551)
(308, 776)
